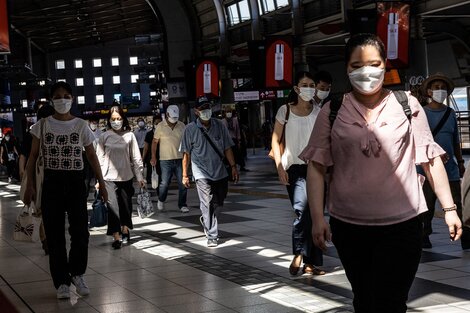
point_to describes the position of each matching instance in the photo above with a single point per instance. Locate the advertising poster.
(207, 79)
(279, 62)
(4, 36)
(393, 27)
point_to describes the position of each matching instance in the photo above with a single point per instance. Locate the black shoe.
(126, 237)
(116, 244)
(426, 243)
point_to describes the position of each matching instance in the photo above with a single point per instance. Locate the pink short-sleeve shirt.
(374, 179)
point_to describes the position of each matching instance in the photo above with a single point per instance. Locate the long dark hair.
(293, 97)
(120, 111)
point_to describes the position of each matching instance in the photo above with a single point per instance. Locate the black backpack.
(336, 103)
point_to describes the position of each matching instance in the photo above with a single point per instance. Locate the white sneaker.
(80, 285)
(63, 292)
(160, 205)
(184, 209)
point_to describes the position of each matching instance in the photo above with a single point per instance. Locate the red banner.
(207, 79)
(4, 36)
(279, 62)
(393, 27)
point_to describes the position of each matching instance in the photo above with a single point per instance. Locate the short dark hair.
(293, 96)
(361, 40)
(322, 76)
(59, 85)
(120, 111)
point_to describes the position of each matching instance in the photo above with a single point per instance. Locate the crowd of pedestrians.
(377, 160)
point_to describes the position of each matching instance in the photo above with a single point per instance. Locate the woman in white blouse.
(296, 119)
(120, 160)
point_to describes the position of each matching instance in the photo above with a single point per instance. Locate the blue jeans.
(302, 241)
(170, 167)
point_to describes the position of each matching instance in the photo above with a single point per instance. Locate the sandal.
(312, 270)
(293, 269)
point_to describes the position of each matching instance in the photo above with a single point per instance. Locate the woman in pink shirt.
(374, 194)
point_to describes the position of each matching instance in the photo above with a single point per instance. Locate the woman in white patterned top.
(61, 138)
(120, 160)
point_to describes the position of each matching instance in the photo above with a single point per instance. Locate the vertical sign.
(4, 36)
(279, 62)
(393, 27)
(207, 79)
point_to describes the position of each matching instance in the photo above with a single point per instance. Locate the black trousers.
(64, 192)
(120, 205)
(380, 262)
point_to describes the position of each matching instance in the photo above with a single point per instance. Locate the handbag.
(155, 178)
(27, 225)
(99, 214)
(228, 168)
(282, 141)
(144, 204)
(39, 173)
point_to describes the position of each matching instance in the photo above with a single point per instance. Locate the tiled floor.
(168, 268)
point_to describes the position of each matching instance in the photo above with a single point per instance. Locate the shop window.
(98, 81)
(133, 61)
(117, 97)
(238, 12)
(97, 62)
(266, 6)
(134, 78)
(81, 100)
(115, 61)
(60, 64)
(79, 82)
(99, 98)
(116, 80)
(78, 63)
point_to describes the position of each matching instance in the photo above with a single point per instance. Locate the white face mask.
(116, 125)
(306, 93)
(62, 106)
(228, 114)
(321, 94)
(367, 80)
(141, 124)
(439, 95)
(7, 138)
(205, 115)
(93, 127)
(172, 120)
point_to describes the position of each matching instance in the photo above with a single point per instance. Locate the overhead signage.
(279, 62)
(267, 95)
(4, 35)
(393, 27)
(246, 95)
(207, 79)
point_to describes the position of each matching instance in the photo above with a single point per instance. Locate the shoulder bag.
(221, 155)
(282, 141)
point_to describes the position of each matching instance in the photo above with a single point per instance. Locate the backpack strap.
(403, 99)
(335, 105)
(401, 96)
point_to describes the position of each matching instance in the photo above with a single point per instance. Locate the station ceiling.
(57, 25)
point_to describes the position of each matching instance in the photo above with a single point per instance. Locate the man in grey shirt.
(207, 165)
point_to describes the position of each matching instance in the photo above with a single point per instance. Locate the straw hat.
(437, 76)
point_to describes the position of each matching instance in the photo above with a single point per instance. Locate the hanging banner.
(279, 62)
(393, 27)
(207, 79)
(4, 35)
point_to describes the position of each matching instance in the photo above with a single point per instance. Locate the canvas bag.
(144, 204)
(99, 215)
(39, 174)
(27, 225)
